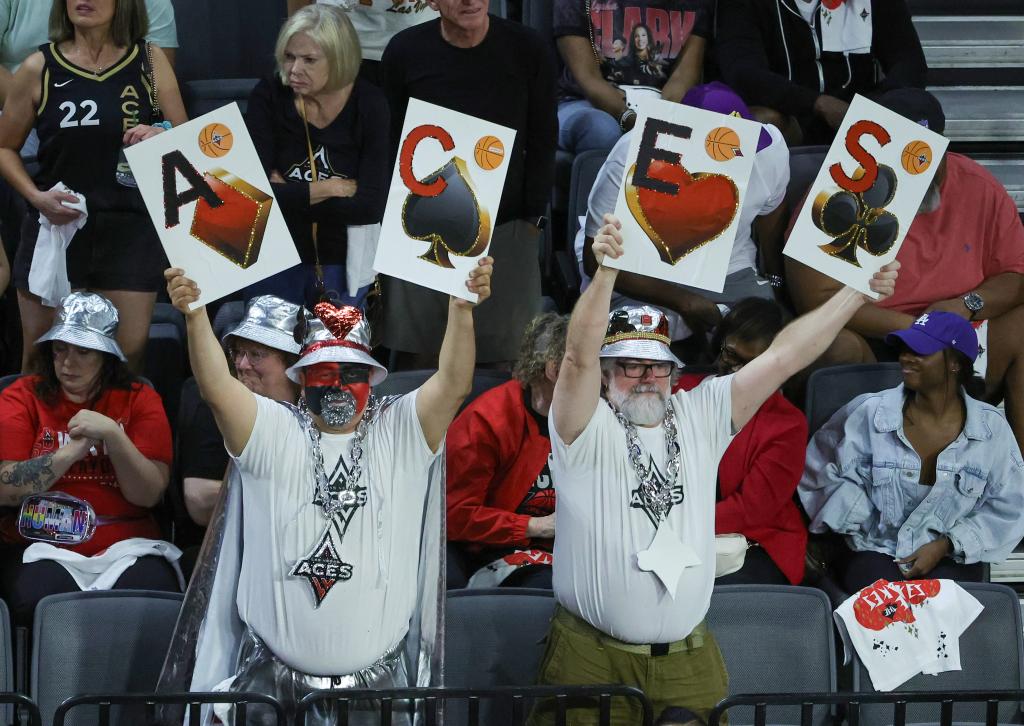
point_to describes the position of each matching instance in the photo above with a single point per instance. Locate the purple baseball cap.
(718, 97)
(935, 331)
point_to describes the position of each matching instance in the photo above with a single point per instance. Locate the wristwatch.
(974, 303)
(627, 116)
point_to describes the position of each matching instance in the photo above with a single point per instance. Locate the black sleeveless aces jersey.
(81, 120)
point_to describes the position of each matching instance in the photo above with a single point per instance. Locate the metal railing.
(193, 702)
(432, 702)
(853, 702)
(22, 704)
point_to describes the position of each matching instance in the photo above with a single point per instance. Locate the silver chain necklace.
(657, 496)
(333, 499)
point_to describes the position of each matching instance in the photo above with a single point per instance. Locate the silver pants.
(260, 671)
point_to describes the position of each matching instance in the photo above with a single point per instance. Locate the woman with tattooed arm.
(86, 447)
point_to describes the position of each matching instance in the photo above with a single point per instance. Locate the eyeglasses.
(255, 355)
(661, 369)
(730, 359)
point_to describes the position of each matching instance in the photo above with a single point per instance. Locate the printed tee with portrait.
(636, 42)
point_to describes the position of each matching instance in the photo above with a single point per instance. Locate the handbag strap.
(317, 267)
(154, 99)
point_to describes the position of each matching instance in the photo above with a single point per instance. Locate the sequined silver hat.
(268, 320)
(336, 334)
(87, 320)
(638, 331)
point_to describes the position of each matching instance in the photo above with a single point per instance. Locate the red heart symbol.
(679, 223)
(339, 321)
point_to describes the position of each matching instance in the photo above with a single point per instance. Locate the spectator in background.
(501, 498)
(84, 426)
(963, 253)
(604, 76)
(500, 71)
(376, 22)
(691, 308)
(758, 474)
(322, 135)
(260, 348)
(24, 26)
(83, 127)
(798, 63)
(923, 479)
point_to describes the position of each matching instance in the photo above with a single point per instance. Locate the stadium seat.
(584, 172)
(165, 364)
(829, 389)
(8, 380)
(494, 637)
(804, 162)
(229, 315)
(230, 39)
(203, 96)
(991, 655)
(166, 313)
(110, 641)
(401, 382)
(775, 639)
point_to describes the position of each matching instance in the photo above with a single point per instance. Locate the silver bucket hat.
(337, 334)
(270, 321)
(638, 332)
(87, 320)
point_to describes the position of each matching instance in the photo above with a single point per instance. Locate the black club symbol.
(855, 220)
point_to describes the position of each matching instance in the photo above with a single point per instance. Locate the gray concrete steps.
(972, 42)
(982, 113)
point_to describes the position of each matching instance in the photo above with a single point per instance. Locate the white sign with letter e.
(212, 205)
(866, 194)
(444, 197)
(683, 185)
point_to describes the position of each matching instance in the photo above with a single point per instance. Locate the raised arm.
(233, 405)
(439, 398)
(799, 344)
(578, 388)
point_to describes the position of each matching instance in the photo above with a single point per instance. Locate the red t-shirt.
(29, 428)
(975, 234)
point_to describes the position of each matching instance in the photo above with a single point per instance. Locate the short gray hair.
(330, 28)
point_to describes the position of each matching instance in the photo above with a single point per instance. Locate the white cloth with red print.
(900, 629)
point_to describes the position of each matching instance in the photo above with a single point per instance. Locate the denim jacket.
(861, 478)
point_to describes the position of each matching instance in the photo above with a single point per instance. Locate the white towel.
(101, 571)
(847, 29)
(362, 248)
(48, 276)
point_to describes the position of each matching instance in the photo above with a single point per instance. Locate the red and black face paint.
(336, 392)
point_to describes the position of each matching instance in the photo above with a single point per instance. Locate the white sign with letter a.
(212, 205)
(866, 194)
(444, 197)
(685, 180)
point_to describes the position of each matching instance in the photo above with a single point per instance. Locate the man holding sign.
(501, 72)
(339, 502)
(963, 253)
(636, 468)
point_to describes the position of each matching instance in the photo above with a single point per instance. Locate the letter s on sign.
(861, 155)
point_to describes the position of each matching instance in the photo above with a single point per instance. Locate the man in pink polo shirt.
(964, 253)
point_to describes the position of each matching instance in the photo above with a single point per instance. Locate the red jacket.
(497, 470)
(757, 478)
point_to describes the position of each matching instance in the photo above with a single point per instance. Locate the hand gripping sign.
(866, 194)
(444, 197)
(683, 185)
(211, 203)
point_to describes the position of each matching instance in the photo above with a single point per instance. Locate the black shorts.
(115, 250)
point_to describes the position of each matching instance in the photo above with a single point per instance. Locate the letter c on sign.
(409, 149)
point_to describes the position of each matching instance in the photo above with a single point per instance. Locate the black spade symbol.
(858, 220)
(453, 221)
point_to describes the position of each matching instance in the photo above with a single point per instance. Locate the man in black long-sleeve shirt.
(801, 62)
(501, 71)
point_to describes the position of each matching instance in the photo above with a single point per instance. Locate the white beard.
(639, 408)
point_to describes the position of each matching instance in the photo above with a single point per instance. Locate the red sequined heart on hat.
(339, 321)
(680, 223)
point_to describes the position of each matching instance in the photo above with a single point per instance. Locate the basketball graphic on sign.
(917, 157)
(215, 140)
(489, 153)
(722, 144)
